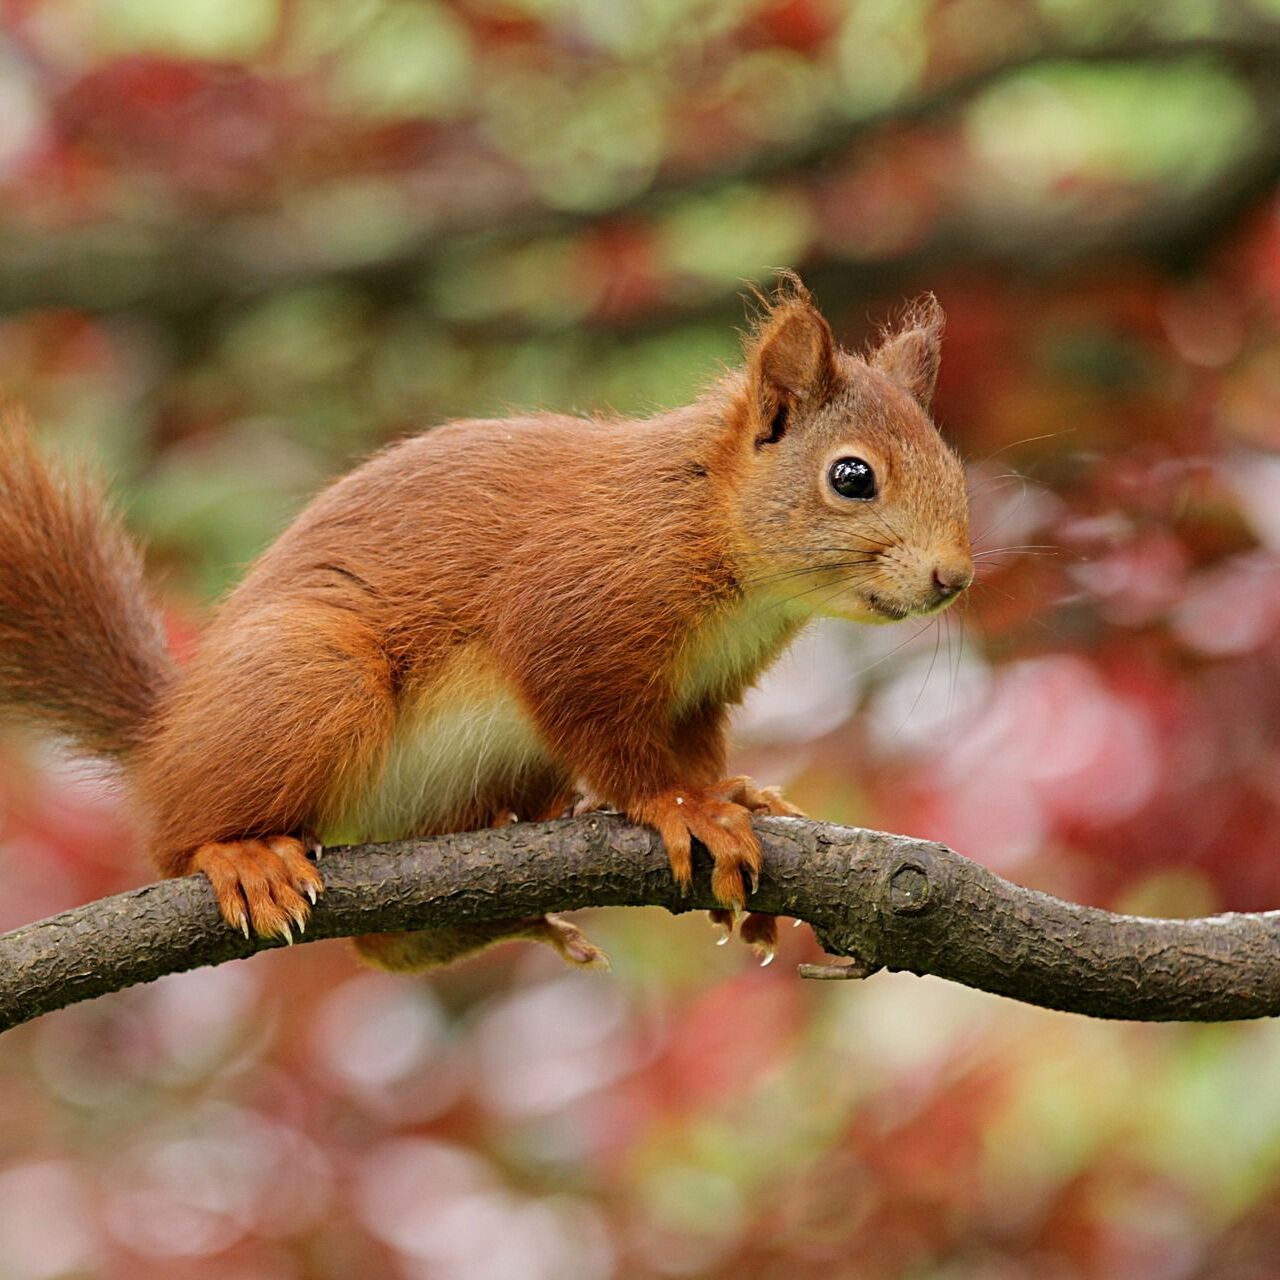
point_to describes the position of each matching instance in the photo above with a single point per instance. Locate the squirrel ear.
(791, 358)
(911, 356)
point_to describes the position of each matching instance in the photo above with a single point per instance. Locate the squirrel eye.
(853, 478)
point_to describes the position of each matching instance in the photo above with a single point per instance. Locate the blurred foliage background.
(243, 242)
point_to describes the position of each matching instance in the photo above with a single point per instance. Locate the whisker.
(835, 588)
(1014, 444)
(998, 562)
(902, 644)
(783, 575)
(831, 588)
(870, 544)
(1044, 548)
(853, 575)
(987, 585)
(928, 675)
(894, 537)
(1005, 518)
(953, 662)
(984, 483)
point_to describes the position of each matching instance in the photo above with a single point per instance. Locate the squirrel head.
(847, 500)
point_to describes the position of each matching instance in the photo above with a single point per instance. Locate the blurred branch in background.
(468, 197)
(882, 900)
(243, 241)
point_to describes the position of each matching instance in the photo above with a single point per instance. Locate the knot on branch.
(915, 883)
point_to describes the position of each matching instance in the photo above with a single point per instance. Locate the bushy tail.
(82, 645)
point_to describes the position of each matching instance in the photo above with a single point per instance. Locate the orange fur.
(82, 647)
(556, 602)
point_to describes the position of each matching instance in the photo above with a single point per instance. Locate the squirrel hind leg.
(265, 886)
(434, 948)
(411, 952)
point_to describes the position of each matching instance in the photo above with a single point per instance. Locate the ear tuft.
(912, 351)
(790, 356)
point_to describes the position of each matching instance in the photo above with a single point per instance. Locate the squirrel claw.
(681, 815)
(760, 800)
(760, 933)
(722, 921)
(262, 886)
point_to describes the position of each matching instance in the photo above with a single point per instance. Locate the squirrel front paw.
(767, 800)
(266, 885)
(681, 814)
(758, 931)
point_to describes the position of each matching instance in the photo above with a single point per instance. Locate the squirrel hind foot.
(722, 921)
(572, 944)
(412, 952)
(682, 814)
(757, 930)
(265, 886)
(760, 933)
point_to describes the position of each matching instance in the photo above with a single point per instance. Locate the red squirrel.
(493, 616)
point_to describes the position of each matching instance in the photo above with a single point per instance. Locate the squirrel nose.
(951, 579)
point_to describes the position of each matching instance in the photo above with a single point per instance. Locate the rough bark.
(879, 900)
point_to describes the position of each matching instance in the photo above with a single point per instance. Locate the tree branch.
(193, 270)
(882, 900)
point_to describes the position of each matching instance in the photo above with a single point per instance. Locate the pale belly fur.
(465, 745)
